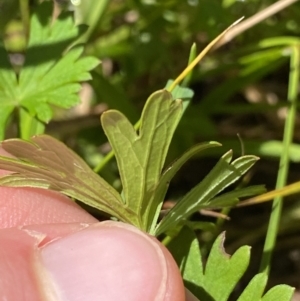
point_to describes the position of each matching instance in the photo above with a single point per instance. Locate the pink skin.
(51, 249)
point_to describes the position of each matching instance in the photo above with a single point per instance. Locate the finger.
(106, 261)
(17, 266)
(26, 206)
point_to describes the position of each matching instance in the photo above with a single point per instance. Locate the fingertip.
(27, 206)
(112, 261)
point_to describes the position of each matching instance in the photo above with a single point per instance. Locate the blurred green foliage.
(144, 43)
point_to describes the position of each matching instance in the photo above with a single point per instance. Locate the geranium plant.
(41, 161)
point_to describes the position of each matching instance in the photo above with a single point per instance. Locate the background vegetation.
(241, 91)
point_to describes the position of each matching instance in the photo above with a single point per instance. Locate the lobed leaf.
(50, 74)
(256, 287)
(160, 191)
(220, 177)
(216, 280)
(221, 273)
(141, 157)
(279, 292)
(46, 163)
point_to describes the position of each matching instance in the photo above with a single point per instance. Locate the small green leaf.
(255, 289)
(279, 292)
(222, 272)
(50, 74)
(141, 157)
(192, 57)
(220, 177)
(183, 93)
(180, 92)
(279, 41)
(47, 163)
(232, 197)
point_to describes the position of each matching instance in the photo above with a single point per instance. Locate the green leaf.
(180, 92)
(50, 74)
(260, 60)
(163, 184)
(279, 41)
(227, 199)
(220, 177)
(141, 157)
(183, 93)
(46, 163)
(218, 278)
(222, 272)
(279, 292)
(256, 287)
(192, 57)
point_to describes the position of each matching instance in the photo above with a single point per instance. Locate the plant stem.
(192, 56)
(284, 160)
(29, 125)
(25, 15)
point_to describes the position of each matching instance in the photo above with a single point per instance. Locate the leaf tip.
(220, 243)
(215, 143)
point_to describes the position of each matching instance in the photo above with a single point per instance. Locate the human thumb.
(104, 261)
(111, 261)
